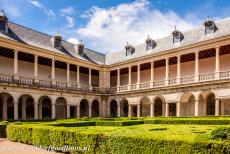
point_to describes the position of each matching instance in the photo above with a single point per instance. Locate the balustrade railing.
(6, 78)
(45, 84)
(144, 85)
(133, 86)
(205, 77)
(224, 75)
(188, 79)
(172, 81)
(159, 83)
(123, 88)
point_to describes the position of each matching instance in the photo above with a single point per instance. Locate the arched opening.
(145, 107)
(95, 108)
(26, 107)
(158, 107)
(124, 108)
(113, 108)
(45, 108)
(134, 111)
(73, 112)
(60, 108)
(84, 108)
(187, 106)
(210, 104)
(7, 106)
(172, 109)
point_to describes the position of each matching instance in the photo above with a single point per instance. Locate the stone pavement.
(8, 147)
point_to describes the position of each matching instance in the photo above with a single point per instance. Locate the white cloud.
(39, 5)
(67, 11)
(109, 29)
(11, 8)
(70, 21)
(73, 40)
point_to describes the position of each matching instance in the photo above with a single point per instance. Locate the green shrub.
(188, 121)
(74, 124)
(119, 123)
(222, 133)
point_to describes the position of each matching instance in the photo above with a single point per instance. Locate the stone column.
(217, 70)
(138, 75)
(166, 71)
(166, 109)
(178, 109)
(118, 109)
(23, 109)
(53, 71)
(108, 108)
(130, 111)
(152, 110)
(68, 110)
(130, 77)
(40, 110)
(78, 111)
(78, 76)
(196, 66)
(196, 107)
(16, 75)
(118, 79)
(152, 74)
(68, 73)
(90, 78)
(178, 69)
(90, 110)
(53, 111)
(217, 107)
(16, 110)
(35, 110)
(4, 116)
(35, 68)
(138, 110)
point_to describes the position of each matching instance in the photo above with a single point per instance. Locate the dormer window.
(56, 40)
(129, 49)
(177, 36)
(81, 48)
(3, 22)
(210, 26)
(150, 43)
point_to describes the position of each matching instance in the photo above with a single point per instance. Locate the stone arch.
(6, 106)
(45, 107)
(113, 108)
(145, 106)
(26, 107)
(210, 98)
(124, 107)
(84, 108)
(61, 108)
(187, 106)
(158, 105)
(95, 108)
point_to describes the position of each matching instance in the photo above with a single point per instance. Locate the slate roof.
(190, 37)
(31, 37)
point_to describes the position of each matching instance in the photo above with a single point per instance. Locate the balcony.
(28, 82)
(177, 81)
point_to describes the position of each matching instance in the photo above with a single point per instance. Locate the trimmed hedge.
(48, 137)
(222, 133)
(119, 123)
(75, 124)
(104, 144)
(188, 121)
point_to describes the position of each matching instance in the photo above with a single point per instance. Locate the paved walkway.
(8, 147)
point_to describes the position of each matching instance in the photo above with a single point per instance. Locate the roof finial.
(148, 36)
(175, 27)
(208, 18)
(127, 43)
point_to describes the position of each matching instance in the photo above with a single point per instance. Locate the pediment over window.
(177, 36)
(210, 26)
(129, 49)
(150, 43)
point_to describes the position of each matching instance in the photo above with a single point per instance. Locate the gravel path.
(8, 147)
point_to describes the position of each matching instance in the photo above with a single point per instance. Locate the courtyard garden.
(125, 135)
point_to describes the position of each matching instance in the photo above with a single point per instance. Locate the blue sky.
(106, 25)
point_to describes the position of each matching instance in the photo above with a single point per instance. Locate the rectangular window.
(2, 25)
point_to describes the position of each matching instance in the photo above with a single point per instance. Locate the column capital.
(16, 102)
(217, 47)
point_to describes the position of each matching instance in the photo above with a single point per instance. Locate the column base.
(16, 77)
(217, 75)
(178, 79)
(197, 78)
(166, 82)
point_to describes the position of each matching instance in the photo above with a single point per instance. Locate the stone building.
(183, 74)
